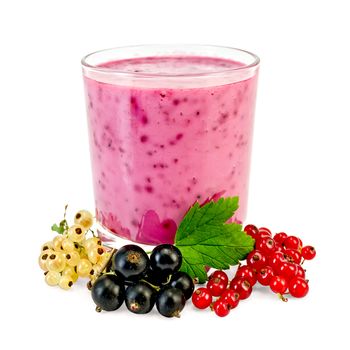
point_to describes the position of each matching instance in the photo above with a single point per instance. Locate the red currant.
(221, 275)
(276, 260)
(256, 259)
(293, 255)
(266, 245)
(265, 230)
(308, 252)
(298, 287)
(292, 242)
(280, 237)
(231, 297)
(242, 287)
(300, 272)
(221, 308)
(251, 230)
(265, 275)
(248, 273)
(262, 235)
(278, 284)
(278, 247)
(201, 298)
(288, 270)
(216, 286)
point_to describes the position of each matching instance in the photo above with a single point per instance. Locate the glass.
(168, 125)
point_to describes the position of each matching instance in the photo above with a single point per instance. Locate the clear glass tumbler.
(168, 125)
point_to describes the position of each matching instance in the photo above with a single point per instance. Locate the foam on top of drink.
(170, 72)
(173, 65)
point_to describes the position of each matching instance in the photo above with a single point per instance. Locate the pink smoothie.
(157, 150)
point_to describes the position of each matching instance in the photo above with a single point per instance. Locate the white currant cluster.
(73, 254)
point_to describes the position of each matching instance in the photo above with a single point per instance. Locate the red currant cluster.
(275, 262)
(228, 299)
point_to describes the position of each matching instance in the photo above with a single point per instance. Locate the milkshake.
(166, 131)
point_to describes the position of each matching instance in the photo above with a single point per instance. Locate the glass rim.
(253, 64)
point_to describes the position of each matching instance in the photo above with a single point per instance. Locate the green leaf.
(58, 229)
(206, 239)
(61, 228)
(63, 225)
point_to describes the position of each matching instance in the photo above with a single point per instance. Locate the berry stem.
(282, 297)
(176, 314)
(106, 264)
(65, 212)
(93, 233)
(168, 280)
(63, 222)
(157, 288)
(98, 309)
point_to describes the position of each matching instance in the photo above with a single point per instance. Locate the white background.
(300, 167)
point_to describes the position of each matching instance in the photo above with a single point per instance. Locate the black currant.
(166, 259)
(184, 282)
(140, 298)
(131, 261)
(108, 292)
(170, 302)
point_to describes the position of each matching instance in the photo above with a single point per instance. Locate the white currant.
(47, 246)
(84, 267)
(57, 243)
(76, 233)
(52, 278)
(91, 242)
(84, 218)
(72, 258)
(65, 282)
(70, 271)
(95, 271)
(43, 258)
(68, 245)
(94, 254)
(56, 261)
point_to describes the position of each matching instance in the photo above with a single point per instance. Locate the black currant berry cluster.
(142, 281)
